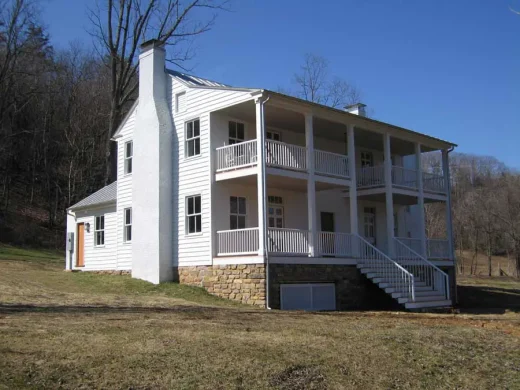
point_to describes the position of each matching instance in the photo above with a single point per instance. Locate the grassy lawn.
(78, 330)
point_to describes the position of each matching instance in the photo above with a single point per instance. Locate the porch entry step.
(428, 298)
(426, 305)
(426, 293)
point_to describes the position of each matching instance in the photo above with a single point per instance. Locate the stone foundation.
(353, 290)
(239, 282)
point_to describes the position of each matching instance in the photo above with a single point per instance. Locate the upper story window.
(127, 233)
(192, 138)
(274, 135)
(236, 132)
(193, 214)
(180, 102)
(99, 231)
(129, 153)
(238, 212)
(275, 212)
(367, 159)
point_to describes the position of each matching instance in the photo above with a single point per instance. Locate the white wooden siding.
(124, 195)
(193, 176)
(99, 257)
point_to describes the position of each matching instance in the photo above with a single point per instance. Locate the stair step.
(392, 289)
(426, 293)
(429, 304)
(429, 298)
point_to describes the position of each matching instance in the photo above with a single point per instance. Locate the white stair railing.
(412, 243)
(334, 244)
(371, 176)
(236, 155)
(404, 177)
(386, 268)
(288, 241)
(237, 242)
(281, 154)
(422, 269)
(333, 164)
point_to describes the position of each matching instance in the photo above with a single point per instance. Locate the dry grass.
(70, 330)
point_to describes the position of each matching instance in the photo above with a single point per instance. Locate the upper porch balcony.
(280, 155)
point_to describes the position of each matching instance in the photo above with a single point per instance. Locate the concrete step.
(428, 304)
(417, 289)
(428, 298)
(424, 293)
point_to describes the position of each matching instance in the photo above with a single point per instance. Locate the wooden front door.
(80, 259)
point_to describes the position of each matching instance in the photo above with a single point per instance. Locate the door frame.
(78, 246)
(374, 214)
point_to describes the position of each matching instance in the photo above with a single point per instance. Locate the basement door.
(80, 259)
(308, 296)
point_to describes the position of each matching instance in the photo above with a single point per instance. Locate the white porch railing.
(334, 244)
(288, 241)
(371, 176)
(433, 182)
(422, 269)
(404, 177)
(413, 243)
(236, 156)
(237, 242)
(280, 154)
(387, 269)
(438, 249)
(328, 163)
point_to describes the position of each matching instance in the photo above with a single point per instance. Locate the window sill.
(98, 246)
(127, 242)
(194, 234)
(127, 174)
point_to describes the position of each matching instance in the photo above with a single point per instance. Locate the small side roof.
(105, 195)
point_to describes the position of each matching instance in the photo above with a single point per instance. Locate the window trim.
(236, 139)
(195, 214)
(238, 214)
(367, 152)
(126, 225)
(96, 230)
(126, 158)
(177, 95)
(274, 132)
(275, 202)
(193, 138)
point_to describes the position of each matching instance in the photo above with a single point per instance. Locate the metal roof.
(106, 194)
(194, 81)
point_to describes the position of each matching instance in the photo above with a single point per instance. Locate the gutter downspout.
(74, 243)
(264, 217)
(448, 184)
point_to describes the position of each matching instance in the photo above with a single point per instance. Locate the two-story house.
(266, 199)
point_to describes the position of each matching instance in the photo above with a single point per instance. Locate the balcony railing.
(438, 249)
(236, 156)
(334, 244)
(283, 155)
(237, 242)
(288, 241)
(333, 164)
(433, 182)
(404, 177)
(412, 243)
(371, 176)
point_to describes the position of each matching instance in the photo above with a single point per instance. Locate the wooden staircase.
(410, 279)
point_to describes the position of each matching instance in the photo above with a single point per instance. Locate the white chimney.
(358, 109)
(152, 180)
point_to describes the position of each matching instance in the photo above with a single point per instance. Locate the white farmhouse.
(266, 199)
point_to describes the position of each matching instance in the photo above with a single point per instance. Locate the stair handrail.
(425, 260)
(406, 285)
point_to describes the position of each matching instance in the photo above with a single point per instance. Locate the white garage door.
(309, 296)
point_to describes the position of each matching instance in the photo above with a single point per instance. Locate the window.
(396, 225)
(129, 153)
(238, 213)
(275, 212)
(193, 138)
(236, 133)
(274, 135)
(367, 159)
(99, 231)
(180, 102)
(127, 233)
(193, 214)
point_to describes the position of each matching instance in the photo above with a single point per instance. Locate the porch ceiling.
(284, 182)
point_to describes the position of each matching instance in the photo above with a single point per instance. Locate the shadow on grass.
(486, 299)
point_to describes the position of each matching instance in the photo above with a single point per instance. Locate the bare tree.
(315, 84)
(122, 25)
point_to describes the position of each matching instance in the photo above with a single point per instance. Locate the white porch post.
(389, 197)
(449, 226)
(420, 200)
(354, 226)
(311, 188)
(261, 185)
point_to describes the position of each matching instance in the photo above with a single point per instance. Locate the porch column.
(447, 185)
(389, 198)
(420, 200)
(261, 184)
(354, 225)
(311, 187)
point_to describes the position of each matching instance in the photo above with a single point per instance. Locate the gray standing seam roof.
(194, 80)
(104, 195)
